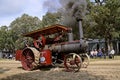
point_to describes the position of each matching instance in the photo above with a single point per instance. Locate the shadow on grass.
(41, 68)
(20, 67)
(45, 68)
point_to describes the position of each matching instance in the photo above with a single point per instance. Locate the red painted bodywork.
(45, 53)
(18, 54)
(48, 57)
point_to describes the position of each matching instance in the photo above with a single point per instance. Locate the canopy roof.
(47, 31)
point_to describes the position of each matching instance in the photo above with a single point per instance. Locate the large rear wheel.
(72, 62)
(28, 60)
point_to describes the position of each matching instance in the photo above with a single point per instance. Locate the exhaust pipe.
(70, 35)
(79, 20)
(80, 29)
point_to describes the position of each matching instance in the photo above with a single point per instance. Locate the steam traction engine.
(51, 51)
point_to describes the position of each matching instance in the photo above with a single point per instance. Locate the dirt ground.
(97, 70)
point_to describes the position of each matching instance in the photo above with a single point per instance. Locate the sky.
(12, 9)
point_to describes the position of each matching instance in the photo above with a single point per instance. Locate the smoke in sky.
(51, 5)
(71, 10)
(75, 8)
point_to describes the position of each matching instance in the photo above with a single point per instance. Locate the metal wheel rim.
(72, 62)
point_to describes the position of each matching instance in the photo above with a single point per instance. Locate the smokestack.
(70, 35)
(80, 28)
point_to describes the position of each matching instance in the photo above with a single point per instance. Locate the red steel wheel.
(27, 59)
(72, 62)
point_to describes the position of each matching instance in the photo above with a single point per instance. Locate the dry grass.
(99, 69)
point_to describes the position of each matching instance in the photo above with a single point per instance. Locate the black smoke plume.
(71, 11)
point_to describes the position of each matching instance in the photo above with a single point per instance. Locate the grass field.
(98, 69)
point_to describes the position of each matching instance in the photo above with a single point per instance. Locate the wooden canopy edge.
(47, 30)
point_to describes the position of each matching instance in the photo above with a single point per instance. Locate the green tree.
(89, 22)
(51, 18)
(105, 14)
(22, 25)
(25, 23)
(3, 37)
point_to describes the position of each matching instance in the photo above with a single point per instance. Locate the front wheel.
(72, 62)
